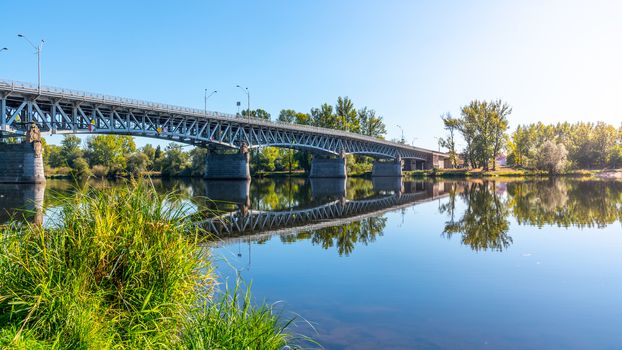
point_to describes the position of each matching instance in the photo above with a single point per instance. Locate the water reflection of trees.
(344, 237)
(566, 202)
(484, 224)
(563, 202)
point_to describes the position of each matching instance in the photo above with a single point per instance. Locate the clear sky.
(411, 61)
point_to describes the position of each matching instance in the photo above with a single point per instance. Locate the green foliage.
(175, 161)
(232, 323)
(483, 125)
(110, 151)
(80, 168)
(589, 145)
(121, 268)
(451, 125)
(257, 113)
(70, 149)
(137, 163)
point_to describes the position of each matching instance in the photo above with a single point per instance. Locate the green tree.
(483, 125)
(370, 124)
(552, 157)
(175, 161)
(110, 150)
(287, 116)
(137, 164)
(70, 148)
(347, 115)
(324, 117)
(150, 152)
(257, 113)
(451, 125)
(198, 156)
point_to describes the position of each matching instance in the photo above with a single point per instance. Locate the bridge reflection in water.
(330, 207)
(22, 202)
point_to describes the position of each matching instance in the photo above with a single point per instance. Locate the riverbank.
(122, 267)
(414, 174)
(508, 172)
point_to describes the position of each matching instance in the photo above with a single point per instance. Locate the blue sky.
(410, 61)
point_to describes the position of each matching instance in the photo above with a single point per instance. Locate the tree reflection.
(484, 224)
(561, 202)
(566, 202)
(344, 237)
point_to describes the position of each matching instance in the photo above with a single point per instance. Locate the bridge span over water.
(64, 111)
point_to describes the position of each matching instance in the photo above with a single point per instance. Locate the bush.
(100, 171)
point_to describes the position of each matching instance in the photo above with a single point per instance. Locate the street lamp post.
(403, 140)
(38, 49)
(438, 140)
(206, 97)
(248, 101)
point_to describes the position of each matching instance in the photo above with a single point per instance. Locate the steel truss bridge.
(256, 224)
(63, 111)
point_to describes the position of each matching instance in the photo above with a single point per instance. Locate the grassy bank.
(500, 172)
(121, 268)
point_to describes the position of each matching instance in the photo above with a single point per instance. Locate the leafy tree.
(324, 117)
(347, 115)
(150, 152)
(451, 125)
(80, 168)
(370, 124)
(483, 125)
(287, 116)
(552, 157)
(110, 150)
(137, 164)
(198, 156)
(257, 113)
(175, 161)
(70, 148)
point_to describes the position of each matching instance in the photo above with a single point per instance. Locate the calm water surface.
(386, 264)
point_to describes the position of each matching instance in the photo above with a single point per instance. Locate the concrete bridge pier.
(387, 169)
(23, 162)
(228, 166)
(328, 167)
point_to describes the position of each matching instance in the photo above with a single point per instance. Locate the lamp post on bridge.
(248, 100)
(403, 139)
(206, 97)
(38, 49)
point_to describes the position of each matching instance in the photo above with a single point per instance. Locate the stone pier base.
(19, 163)
(227, 166)
(387, 169)
(328, 167)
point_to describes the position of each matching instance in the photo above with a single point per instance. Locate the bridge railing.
(25, 87)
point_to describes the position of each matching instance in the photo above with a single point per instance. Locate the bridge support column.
(228, 166)
(328, 167)
(387, 169)
(23, 162)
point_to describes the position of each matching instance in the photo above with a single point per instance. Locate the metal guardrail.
(25, 87)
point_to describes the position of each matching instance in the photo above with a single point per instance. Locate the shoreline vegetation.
(434, 173)
(123, 268)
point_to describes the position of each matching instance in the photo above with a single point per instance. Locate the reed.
(120, 268)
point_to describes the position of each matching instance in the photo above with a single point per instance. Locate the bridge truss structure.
(63, 111)
(256, 222)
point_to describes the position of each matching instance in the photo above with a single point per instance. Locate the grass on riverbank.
(121, 268)
(499, 172)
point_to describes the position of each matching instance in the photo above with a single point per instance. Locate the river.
(387, 264)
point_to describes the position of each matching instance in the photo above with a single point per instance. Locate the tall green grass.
(121, 268)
